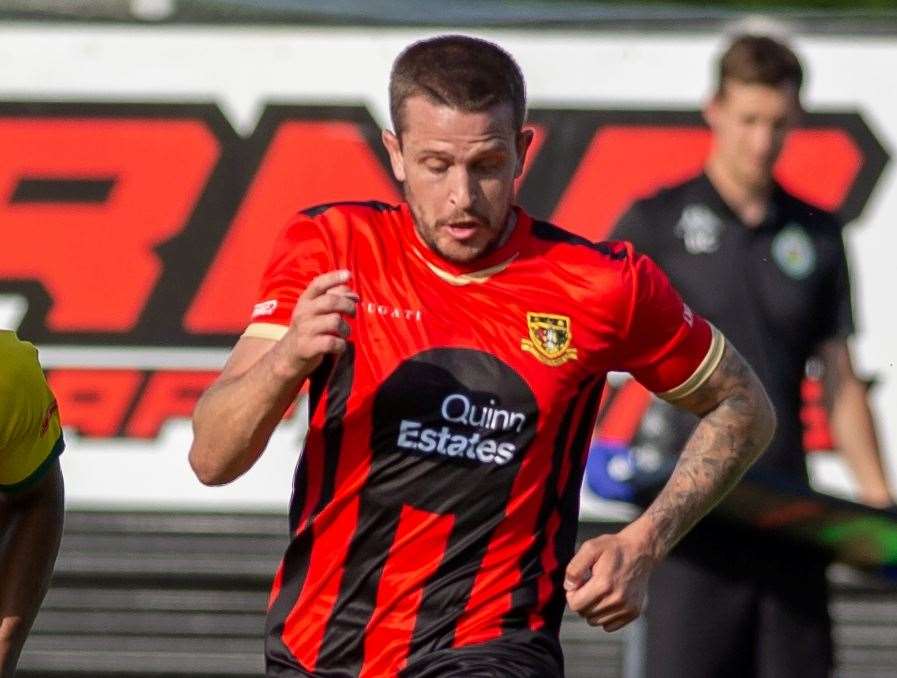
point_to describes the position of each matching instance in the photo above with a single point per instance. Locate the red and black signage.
(148, 225)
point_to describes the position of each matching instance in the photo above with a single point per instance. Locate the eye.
(435, 166)
(489, 165)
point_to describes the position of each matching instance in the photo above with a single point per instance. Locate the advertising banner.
(146, 171)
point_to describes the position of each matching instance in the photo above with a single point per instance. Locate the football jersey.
(30, 432)
(436, 501)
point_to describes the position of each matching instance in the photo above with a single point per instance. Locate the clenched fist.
(607, 579)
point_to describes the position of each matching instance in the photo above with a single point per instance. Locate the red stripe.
(416, 553)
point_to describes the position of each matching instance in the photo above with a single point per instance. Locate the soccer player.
(769, 270)
(456, 350)
(31, 493)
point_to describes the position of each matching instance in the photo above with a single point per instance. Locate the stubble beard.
(460, 253)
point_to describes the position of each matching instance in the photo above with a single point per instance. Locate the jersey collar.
(713, 197)
(479, 270)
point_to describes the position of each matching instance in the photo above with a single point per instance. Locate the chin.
(458, 253)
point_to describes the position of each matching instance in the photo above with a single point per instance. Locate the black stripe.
(525, 597)
(373, 204)
(62, 190)
(552, 233)
(295, 570)
(317, 384)
(569, 505)
(342, 648)
(338, 389)
(296, 559)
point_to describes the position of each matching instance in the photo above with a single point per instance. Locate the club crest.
(549, 338)
(793, 251)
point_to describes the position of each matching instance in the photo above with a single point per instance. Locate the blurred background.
(151, 149)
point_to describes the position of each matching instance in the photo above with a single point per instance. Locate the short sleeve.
(30, 431)
(665, 346)
(304, 250)
(838, 322)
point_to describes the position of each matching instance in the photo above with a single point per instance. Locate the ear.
(394, 149)
(524, 141)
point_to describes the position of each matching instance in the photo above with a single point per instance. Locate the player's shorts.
(518, 655)
(502, 658)
(751, 609)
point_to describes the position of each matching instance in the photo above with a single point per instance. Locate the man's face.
(749, 124)
(458, 171)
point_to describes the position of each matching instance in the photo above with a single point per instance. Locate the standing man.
(769, 270)
(456, 351)
(31, 493)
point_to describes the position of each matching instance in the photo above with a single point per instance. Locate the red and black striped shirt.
(436, 501)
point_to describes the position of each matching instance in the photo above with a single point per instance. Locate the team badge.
(793, 252)
(700, 229)
(549, 338)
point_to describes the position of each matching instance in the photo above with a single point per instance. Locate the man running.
(456, 351)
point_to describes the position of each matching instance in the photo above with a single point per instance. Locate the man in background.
(768, 270)
(31, 493)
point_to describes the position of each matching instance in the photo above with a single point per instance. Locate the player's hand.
(318, 326)
(607, 579)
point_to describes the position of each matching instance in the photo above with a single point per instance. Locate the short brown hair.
(464, 73)
(759, 60)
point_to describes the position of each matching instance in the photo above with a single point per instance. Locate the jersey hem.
(700, 376)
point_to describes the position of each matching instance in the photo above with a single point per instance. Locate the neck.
(750, 201)
(510, 224)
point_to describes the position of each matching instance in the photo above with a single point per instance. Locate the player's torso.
(444, 459)
(462, 370)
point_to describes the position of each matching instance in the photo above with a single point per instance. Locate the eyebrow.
(492, 145)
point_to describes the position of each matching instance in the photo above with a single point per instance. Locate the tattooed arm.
(737, 423)
(606, 580)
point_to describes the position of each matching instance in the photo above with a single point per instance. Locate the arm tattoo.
(736, 425)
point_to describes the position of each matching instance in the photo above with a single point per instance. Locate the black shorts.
(521, 654)
(528, 655)
(738, 606)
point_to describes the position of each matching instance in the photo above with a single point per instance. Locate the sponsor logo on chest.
(395, 312)
(482, 420)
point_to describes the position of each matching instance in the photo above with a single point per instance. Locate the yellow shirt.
(30, 432)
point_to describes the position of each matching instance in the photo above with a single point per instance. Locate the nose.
(764, 141)
(462, 190)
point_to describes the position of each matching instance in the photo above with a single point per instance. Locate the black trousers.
(730, 605)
